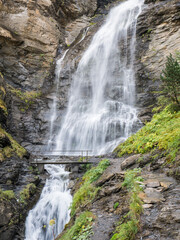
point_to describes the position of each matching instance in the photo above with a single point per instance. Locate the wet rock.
(7, 233)
(152, 183)
(72, 9)
(157, 36)
(166, 185)
(147, 206)
(151, 195)
(4, 141)
(129, 161)
(5, 212)
(145, 115)
(109, 177)
(74, 28)
(111, 190)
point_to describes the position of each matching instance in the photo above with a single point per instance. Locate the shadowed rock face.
(29, 36)
(157, 36)
(32, 34)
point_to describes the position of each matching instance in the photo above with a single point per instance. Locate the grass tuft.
(163, 132)
(128, 226)
(82, 228)
(88, 191)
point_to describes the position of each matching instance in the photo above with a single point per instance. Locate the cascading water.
(54, 203)
(101, 110)
(54, 105)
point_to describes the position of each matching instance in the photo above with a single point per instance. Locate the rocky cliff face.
(157, 37)
(33, 34)
(30, 35)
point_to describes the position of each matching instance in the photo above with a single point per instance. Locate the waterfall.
(53, 114)
(54, 204)
(101, 111)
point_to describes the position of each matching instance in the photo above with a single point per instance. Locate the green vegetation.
(82, 228)
(6, 195)
(128, 226)
(28, 191)
(2, 103)
(1, 75)
(116, 205)
(3, 107)
(92, 23)
(163, 132)
(27, 97)
(88, 191)
(13, 148)
(171, 79)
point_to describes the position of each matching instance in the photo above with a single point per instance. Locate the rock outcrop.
(157, 36)
(32, 34)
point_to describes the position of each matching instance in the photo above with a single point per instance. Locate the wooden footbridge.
(77, 157)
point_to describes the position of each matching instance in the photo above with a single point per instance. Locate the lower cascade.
(53, 204)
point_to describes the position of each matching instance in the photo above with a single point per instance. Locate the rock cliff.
(33, 34)
(157, 37)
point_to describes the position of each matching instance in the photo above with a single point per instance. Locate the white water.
(53, 114)
(101, 110)
(54, 203)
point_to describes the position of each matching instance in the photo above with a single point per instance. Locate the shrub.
(171, 78)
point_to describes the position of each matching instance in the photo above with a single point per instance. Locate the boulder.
(129, 161)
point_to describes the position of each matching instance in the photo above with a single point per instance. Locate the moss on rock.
(88, 191)
(6, 195)
(9, 146)
(27, 192)
(27, 98)
(163, 133)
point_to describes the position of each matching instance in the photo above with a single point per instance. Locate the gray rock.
(130, 161)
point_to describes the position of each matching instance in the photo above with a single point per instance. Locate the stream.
(54, 204)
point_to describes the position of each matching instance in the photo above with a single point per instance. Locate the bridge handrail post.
(86, 155)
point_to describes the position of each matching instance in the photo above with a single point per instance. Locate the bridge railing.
(84, 154)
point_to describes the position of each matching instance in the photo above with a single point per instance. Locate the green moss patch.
(27, 98)
(163, 132)
(82, 228)
(88, 191)
(14, 147)
(7, 195)
(27, 192)
(128, 226)
(3, 107)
